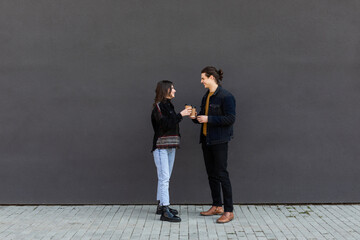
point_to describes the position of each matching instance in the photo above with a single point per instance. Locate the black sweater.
(165, 121)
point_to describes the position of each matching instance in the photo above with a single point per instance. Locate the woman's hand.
(202, 118)
(185, 112)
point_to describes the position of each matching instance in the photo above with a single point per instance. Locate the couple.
(216, 116)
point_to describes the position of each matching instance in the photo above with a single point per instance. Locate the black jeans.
(215, 157)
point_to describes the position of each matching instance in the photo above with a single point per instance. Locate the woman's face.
(172, 92)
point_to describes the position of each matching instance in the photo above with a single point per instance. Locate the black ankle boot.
(159, 211)
(158, 208)
(166, 215)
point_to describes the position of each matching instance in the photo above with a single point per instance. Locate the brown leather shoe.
(214, 210)
(226, 217)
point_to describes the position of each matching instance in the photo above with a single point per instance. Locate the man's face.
(206, 81)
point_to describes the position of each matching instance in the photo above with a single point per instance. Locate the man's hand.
(202, 118)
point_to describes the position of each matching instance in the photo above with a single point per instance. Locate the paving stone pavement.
(141, 222)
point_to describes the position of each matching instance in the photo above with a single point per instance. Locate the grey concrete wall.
(77, 82)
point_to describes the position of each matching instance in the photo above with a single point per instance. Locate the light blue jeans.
(164, 161)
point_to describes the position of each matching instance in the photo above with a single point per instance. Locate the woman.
(165, 122)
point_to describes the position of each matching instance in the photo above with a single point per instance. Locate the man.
(217, 116)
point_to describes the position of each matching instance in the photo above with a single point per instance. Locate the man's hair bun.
(220, 72)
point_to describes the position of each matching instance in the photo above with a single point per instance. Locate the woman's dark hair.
(162, 90)
(218, 74)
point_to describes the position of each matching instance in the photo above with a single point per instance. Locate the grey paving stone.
(140, 222)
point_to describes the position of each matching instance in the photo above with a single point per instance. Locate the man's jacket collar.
(216, 91)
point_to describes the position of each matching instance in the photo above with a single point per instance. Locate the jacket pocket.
(215, 109)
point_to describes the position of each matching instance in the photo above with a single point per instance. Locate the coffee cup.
(193, 113)
(187, 106)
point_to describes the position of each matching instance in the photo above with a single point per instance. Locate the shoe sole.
(169, 220)
(224, 222)
(212, 214)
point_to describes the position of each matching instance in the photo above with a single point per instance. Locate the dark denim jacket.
(221, 117)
